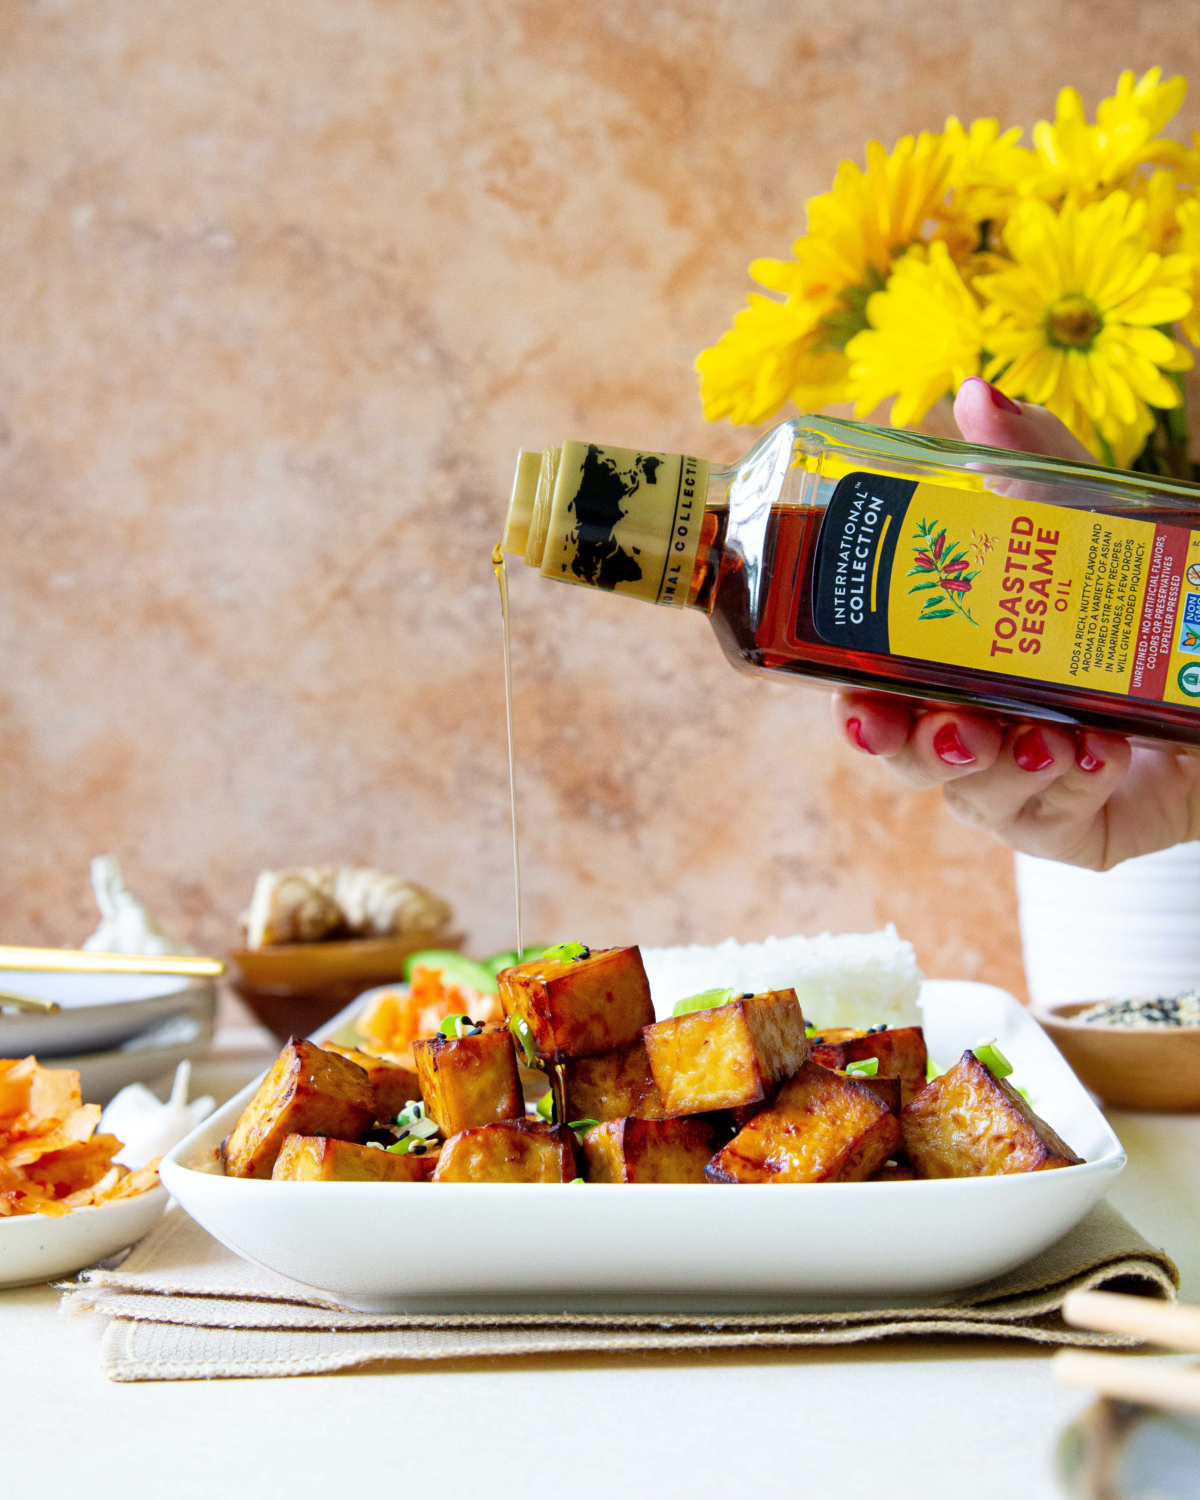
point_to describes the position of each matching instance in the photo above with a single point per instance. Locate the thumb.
(986, 415)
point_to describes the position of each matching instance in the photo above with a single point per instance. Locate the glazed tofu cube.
(887, 1089)
(469, 1080)
(612, 1085)
(900, 1050)
(307, 1091)
(632, 1150)
(316, 1158)
(392, 1086)
(576, 1007)
(729, 1055)
(822, 1127)
(969, 1123)
(511, 1151)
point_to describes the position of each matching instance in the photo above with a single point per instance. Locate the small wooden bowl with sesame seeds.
(1144, 1062)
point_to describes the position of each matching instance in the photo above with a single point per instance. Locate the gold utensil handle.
(76, 961)
(30, 1002)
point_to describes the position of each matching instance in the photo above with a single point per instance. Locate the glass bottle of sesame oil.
(875, 558)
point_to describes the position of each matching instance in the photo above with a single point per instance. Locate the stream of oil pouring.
(501, 572)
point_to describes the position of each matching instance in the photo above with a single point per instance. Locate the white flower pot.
(1132, 931)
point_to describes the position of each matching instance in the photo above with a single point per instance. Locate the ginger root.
(312, 902)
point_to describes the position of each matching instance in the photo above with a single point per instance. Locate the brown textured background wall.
(283, 287)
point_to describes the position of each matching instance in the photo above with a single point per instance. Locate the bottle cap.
(520, 507)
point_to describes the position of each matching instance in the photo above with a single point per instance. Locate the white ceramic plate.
(419, 1247)
(99, 1011)
(36, 1248)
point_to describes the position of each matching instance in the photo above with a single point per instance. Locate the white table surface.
(921, 1418)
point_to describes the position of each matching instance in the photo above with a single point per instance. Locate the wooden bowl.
(1132, 1067)
(295, 987)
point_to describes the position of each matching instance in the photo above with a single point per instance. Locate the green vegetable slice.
(584, 1124)
(500, 961)
(993, 1059)
(867, 1067)
(455, 968)
(564, 951)
(458, 1025)
(407, 1145)
(545, 1106)
(519, 1028)
(704, 1001)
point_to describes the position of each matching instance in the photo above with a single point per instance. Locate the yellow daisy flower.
(1187, 219)
(990, 168)
(854, 232)
(924, 340)
(1081, 160)
(1072, 324)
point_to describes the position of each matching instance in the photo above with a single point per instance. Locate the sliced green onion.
(563, 951)
(867, 1067)
(810, 1031)
(519, 1028)
(703, 1001)
(1024, 1093)
(545, 1106)
(423, 1129)
(932, 1070)
(574, 1180)
(585, 1124)
(458, 1025)
(993, 1059)
(407, 1145)
(413, 1110)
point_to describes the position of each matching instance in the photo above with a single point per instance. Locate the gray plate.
(100, 1011)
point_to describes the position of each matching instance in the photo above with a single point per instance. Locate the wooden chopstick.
(77, 961)
(1124, 1377)
(1174, 1325)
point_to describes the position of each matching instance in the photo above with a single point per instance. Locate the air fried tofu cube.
(612, 1085)
(307, 1091)
(576, 1007)
(969, 1123)
(822, 1127)
(469, 1080)
(900, 1050)
(316, 1158)
(728, 1055)
(510, 1151)
(392, 1085)
(650, 1150)
(888, 1089)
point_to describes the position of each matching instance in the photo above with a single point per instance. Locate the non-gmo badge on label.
(1189, 624)
(1189, 679)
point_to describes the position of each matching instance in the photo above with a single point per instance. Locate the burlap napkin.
(182, 1307)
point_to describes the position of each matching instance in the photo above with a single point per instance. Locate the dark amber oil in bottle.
(848, 555)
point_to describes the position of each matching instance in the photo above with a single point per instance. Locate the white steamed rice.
(845, 979)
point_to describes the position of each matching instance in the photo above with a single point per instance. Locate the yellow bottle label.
(626, 521)
(1005, 584)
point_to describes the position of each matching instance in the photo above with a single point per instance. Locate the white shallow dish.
(36, 1248)
(99, 1011)
(392, 1247)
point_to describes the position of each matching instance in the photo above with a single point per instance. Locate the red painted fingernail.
(855, 731)
(998, 398)
(948, 746)
(1085, 760)
(1030, 753)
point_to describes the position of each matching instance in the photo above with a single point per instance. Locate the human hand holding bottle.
(1083, 797)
